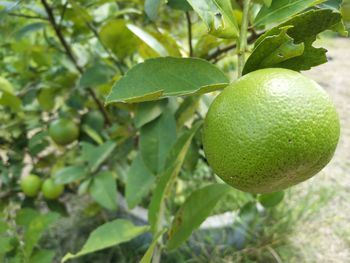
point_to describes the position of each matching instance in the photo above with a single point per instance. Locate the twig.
(62, 14)
(27, 16)
(70, 54)
(189, 30)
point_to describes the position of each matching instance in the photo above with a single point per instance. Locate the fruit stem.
(242, 41)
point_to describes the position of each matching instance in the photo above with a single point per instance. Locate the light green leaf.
(92, 133)
(139, 182)
(156, 139)
(10, 100)
(174, 162)
(96, 155)
(148, 111)
(218, 17)
(117, 37)
(147, 257)
(149, 40)
(103, 190)
(108, 235)
(29, 29)
(281, 10)
(162, 77)
(271, 199)
(96, 75)
(193, 212)
(42, 256)
(46, 98)
(186, 111)
(303, 30)
(69, 174)
(152, 7)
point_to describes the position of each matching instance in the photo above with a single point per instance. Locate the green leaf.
(151, 41)
(103, 190)
(218, 17)
(186, 111)
(92, 133)
(42, 256)
(70, 174)
(46, 98)
(10, 100)
(180, 5)
(303, 29)
(139, 182)
(148, 111)
(96, 155)
(193, 212)
(162, 77)
(117, 37)
(331, 4)
(147, 257)
(156, 139)
(96, 75)
(152, 7)
(174, 162)
(108, 235)
(281, 10)
(271, 199)
(29, 29)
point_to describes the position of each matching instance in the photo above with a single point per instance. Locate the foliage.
(132, 75)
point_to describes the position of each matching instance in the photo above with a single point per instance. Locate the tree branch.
(71, 56)
(27, 16)
(189, 30)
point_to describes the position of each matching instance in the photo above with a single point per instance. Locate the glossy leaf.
(148, 111)
(108, 235)
(149, 40)
(281, 10)
(103, 190)
(331, 4)
(117, 37)
(180, 5)
(173, 165)
(193, 212)
(162, 77)
(138, 183)
(218, 17)
(70, 174)
(156, 139)
(303, 29)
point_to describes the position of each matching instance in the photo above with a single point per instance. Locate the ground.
(325, 236)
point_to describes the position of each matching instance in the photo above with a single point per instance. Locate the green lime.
(271, 129)
(51, 190)
(30, 185)
(63, 131)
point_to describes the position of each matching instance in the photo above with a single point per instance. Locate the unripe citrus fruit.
(51, 190)
(271, 129)
(63, 131)
(30, 185)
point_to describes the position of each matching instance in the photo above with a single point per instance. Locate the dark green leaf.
(162, 77)
(108, 235)
(103, 190)
(138, 183)
(96, 75)
(156, 139)
(180, 5)
(331, 4)
(152, 7)
(148, 111)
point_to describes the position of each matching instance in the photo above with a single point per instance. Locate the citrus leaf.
(148, 111)
(218, 17)
(288, 38)
(96, 155)
(281, 10)
(156, 139)
(162, 77)
(138, 182)
(147, 257)
(69, 174)
(331, 4)
(173, 165)
(152, 7)
(271, 199)
(95, 75)
(42, 256)
(103, 190)
(10, 100)
(108, 235)
(180, 5)
(193, 212)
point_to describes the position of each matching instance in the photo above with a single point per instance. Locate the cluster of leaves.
(68, 58)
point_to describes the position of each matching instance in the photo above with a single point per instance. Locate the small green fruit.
(63, 131)
(30, 185)
(51, 190)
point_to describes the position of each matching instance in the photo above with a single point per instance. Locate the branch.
(70, 54)
(27, 16)
(189, 29)
(254, 36)
(242, 43)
